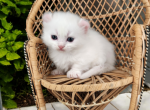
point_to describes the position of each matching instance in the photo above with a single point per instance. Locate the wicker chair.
(124, 22)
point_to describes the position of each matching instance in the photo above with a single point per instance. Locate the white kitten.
(76, 48)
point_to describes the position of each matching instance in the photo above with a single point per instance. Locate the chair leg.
(40, 102)
(134, 96)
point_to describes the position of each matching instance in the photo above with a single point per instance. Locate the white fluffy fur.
(89, 54)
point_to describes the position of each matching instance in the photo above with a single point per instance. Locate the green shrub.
(13, 14)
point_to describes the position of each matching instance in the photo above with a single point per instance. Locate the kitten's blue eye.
(54, 37)
(70, 39)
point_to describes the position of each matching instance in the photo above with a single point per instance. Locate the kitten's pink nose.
(61, 46)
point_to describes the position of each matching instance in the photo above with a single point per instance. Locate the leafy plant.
(12, 35)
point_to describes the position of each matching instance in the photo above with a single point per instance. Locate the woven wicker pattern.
(113, 18)
(114, 22)
(86, 100)
(118, 21)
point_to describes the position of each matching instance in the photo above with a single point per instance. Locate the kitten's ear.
(47, 16)
(85, 24)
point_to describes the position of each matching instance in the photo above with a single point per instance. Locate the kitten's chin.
(62, 50)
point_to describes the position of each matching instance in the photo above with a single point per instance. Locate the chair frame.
(136, 32)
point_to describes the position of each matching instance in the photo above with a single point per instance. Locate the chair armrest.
(33, 60)
(129, 50)
(137, 69)
(32, 57)
(38, 59)
(35, 40)
(138, 52)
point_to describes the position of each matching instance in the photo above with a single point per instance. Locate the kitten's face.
(63, 34)
(63, 39)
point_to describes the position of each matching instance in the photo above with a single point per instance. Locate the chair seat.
(87, 93)
(113, 79)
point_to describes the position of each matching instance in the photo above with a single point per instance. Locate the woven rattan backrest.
(112, 18)
(109, 17)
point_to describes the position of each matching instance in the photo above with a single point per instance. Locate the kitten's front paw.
(73, 74)
(57, 72)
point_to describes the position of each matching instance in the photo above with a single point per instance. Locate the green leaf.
(7, 77)
(3, 61)
(2, 39)
(3, 52)
(9, 104)
(1, 30)
(19, 64)
(6, 25)
(13, 36)
(17, 32)
(10, 48)
(7, 88)
(18, 11)
(2, 15)
(24, 3)
(6, 34)
(23, 10)
(26, 78)
(5, 10)
(12, 56)
(7, 92)
(10, 36)
(9, 3)
(2, 44)
(10, 94)
(10, 43)
(17, 45)
(16, 0)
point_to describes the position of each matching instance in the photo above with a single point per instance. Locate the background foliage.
(13, 74)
